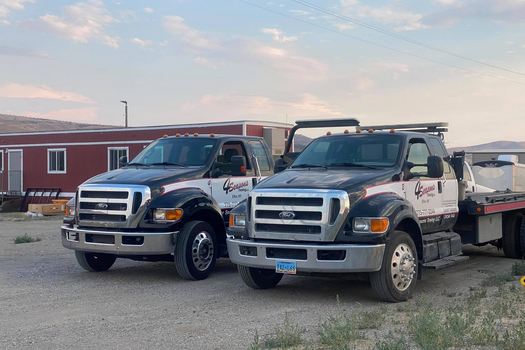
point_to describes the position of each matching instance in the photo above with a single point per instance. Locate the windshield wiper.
(350, 164)
(309, 166)
(137, 164)
(169, 163)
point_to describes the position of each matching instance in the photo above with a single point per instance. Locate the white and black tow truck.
(381, 201)
(170, 203)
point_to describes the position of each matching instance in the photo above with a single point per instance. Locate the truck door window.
(261, 155)
(418, 154)
(223, 165)
(466, 173)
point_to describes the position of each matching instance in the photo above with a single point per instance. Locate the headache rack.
(431, 128)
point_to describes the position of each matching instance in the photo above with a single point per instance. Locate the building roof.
(102, 129)
(501, 151)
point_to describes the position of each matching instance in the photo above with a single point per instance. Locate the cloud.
(504, 11)
(148, 10)
(301, 67)
(258, 106)
(13, 90)
(400, 20)
(8, 6)
(20, 52)
(83, 22)
(141, 42)
(278, 35)
(210, 51)
(188, 35)
(344, 26)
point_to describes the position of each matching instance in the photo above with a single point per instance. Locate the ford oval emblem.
(102, 206)
(287, 215)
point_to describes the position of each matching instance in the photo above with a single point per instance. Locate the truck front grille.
(110, 205)
(297, 214)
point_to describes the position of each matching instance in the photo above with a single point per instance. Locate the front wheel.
(259, 278)
(95, 262)
(195, 250)
(397, 278)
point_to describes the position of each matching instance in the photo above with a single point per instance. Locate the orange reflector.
(230, 220)
(174, 214)
(379, 225)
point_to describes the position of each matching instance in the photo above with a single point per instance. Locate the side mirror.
(122, 161)
(435, 167)
(279, 165)
(238, 166)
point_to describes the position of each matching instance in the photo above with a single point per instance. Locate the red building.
(65, 159)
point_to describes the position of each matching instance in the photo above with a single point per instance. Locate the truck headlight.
(237, 220)
(164, 215)
(70, 208)
(371, 225)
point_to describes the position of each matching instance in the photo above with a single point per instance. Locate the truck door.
(228, 186)
(423, 192)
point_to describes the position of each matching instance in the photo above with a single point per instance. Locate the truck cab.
(382, 201)
(171, 202)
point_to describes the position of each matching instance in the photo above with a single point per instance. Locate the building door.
(15, 171)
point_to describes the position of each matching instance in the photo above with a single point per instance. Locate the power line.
(370, 42)
(403, 38)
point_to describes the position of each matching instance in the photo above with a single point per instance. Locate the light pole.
(125, 111)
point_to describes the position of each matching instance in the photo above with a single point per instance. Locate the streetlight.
(125, 111)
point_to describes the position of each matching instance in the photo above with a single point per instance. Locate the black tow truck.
(382, 201)
(170, 203)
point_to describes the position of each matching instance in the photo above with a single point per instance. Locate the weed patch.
(26, 239)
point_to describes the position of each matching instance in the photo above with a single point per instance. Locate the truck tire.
(397, 278)
(259, 278)
(511, 240)
(196, 250)
(95, 262)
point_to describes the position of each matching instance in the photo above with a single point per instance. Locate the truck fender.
(397, 209)
(196, 204)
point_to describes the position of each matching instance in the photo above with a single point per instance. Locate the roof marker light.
(177, 135)
(328, 133)
(358, 130)
(212, 135)
(392, 131)
(370, 131)
(195, 134)
(186, 135)
(347, 132)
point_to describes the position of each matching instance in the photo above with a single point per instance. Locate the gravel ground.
(48, 301)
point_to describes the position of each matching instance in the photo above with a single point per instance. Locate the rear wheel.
(95, 262)
(397, 278)
(511, 240)
(195, 250)
(259, 278)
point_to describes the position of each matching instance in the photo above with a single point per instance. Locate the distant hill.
(14, 123)
(300, 142)
(496, 145)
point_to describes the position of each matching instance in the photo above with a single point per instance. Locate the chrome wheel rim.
(403, 267)
(202, 251)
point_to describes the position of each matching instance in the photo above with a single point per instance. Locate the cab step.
(445, 262)
(439, 245)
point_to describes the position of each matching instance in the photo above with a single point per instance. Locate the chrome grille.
(297, 214)
(110, 205)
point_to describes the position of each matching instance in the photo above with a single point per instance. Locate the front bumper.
(118, 243)
(357, 257)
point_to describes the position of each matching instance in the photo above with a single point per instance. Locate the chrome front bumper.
(118, 243)
(358, 257)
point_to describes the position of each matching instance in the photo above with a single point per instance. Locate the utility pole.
(125, 112)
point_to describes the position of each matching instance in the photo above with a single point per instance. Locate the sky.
(382, 62)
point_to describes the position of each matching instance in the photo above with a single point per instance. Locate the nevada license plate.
(286, 267)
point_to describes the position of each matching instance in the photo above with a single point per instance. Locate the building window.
(56, 161)
(114, 155)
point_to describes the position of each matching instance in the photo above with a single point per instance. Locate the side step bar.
(442, 249)
(445, 262)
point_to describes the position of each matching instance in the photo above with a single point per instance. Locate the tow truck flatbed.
(491, 203)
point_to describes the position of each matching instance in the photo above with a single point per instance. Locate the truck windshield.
(183, 151)
(368, 151)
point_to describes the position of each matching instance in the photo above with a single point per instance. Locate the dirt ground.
(48, 301)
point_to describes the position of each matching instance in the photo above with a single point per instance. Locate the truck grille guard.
(297, 214)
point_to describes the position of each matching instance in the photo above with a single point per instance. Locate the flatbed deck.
(491, 203)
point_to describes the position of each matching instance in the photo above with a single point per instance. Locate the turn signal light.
(168, 215)
(379, 225)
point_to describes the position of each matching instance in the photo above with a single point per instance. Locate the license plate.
(286, 267)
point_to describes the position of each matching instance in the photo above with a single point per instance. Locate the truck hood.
(349, 180)
(149, 176)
